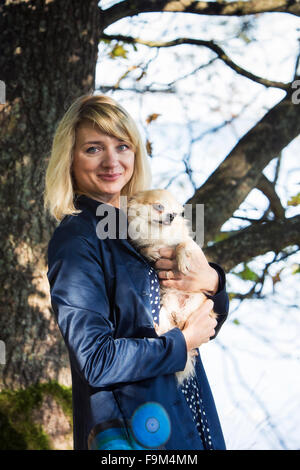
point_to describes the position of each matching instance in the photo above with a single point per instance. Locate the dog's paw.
(183, 257)
(151, 253)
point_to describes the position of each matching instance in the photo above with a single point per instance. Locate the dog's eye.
(158, 207)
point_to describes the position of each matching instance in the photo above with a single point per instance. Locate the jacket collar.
(98, 210)
(82, 201)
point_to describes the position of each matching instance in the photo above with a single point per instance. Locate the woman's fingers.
(167, 260)
(170, 275)
(200, 325)
(167, 252)
(165, 263)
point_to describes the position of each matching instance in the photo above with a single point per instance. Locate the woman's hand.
(200, 326)
(201, 277)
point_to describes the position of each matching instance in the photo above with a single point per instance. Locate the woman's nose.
(110, 157)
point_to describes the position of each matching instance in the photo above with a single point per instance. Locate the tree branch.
(228, 186)
(199, 42)
(129, 8)
(267, 187)
(253, 241)
(146, 89)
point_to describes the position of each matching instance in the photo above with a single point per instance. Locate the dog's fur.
(155, 220)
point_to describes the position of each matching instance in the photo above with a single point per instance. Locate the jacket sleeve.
(82, 308)
(220, 299)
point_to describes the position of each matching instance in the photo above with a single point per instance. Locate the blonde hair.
(110, 118)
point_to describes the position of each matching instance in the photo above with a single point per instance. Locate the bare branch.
(267, 187)
(255, 293)
(192, 72)
(147, 89)
(199, 42)
(128, 8)
(228, 186)
(255, 240)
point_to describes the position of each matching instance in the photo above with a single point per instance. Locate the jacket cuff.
(176, 336)
(220, 299)
(221, 275)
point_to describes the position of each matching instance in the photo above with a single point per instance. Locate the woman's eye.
(123, 147)
(92, 150)
(158, 207)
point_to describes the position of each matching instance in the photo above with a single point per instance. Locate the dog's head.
(155, 214)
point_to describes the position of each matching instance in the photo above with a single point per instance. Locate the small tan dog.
(155, 220)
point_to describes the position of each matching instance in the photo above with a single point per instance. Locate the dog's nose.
(172, 216)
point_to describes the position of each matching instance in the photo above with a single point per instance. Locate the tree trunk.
(48, 55)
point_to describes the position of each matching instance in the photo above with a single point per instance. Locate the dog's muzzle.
(169, 218)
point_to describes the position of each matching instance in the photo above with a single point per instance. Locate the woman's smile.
(109, 177)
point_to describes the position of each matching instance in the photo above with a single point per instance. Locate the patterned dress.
(189, 387)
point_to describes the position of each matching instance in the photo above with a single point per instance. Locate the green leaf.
(231, 295)
(296, 269)
(294, 201)
(106, 41)
(118, 51)
(221, 236)
(236, 322)
(247, 274)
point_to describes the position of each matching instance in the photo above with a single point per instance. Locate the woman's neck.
(112, 200)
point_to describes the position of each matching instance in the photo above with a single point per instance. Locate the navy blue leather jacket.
(100, 296)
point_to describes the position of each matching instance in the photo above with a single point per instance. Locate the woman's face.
(102, 165)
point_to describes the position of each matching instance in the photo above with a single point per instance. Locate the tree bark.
(255, 240)
(48, 55)
(219, 8)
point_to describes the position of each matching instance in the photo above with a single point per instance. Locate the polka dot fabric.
(191, 392)
(189, 387)
(154, 295)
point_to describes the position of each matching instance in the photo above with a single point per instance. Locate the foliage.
(118, 51)
(17, 429)
(295, 200)
(296, 269)
(247, 274)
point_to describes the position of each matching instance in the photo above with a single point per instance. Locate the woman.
(100, 293)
